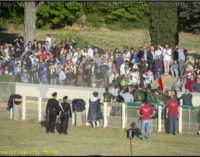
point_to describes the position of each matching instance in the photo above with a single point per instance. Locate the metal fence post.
(39, 109)
(73, 118)
(189, 117)
(123, 115)
(24, 108)
(105, 120)
(159, 118)
(11, 113)
(180, 127)
(86, 113)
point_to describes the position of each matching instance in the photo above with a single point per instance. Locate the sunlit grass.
(29, 135)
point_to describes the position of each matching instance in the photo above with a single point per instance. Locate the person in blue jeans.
(172, 109)
(146, 112)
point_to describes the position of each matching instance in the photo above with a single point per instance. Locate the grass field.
(18, 137)
(105, 38)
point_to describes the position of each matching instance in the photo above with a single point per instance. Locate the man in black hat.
(52, 110)
(66, 113)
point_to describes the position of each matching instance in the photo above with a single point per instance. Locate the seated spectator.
(174, 69)
(178, 84)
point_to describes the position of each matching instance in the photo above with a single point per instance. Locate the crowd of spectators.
(49, 62)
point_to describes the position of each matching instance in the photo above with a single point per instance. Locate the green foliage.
(11, 12)
(189, 17)
(94, 19)
(163, 24)
(58, 14)
(117, 15)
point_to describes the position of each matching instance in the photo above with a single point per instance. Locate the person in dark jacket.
(94, 113)
(157, 66)
(66, 113)
(187, 98)
(52, 110)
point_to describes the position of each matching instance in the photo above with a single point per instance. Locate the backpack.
(78, 105)
(119, 98)
(17, 100)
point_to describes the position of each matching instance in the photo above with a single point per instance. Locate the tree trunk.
(163, 23)
(29, 20)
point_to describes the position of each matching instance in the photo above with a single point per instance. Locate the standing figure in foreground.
(94, 113)
(66, 113)
(172, 113)
(146, 112)
(52, 110)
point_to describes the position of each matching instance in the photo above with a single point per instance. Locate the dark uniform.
(66, 113)
(52, 110)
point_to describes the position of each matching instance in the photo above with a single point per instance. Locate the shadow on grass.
(45, 124)
(8, 37)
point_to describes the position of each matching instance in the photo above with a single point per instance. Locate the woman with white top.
(167, 52)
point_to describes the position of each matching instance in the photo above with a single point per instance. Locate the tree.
(58, 14)
(189, 17)
(30, 10)
(163, 18)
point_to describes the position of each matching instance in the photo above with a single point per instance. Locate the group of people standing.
(146, 113)
(62, 112)
(54, 109)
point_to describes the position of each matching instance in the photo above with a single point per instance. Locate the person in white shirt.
(167, 52)
(126, 95)
(149, 77)
(124, 67)
(90, 52)
(48, 38)
(114, 90)
(159, 51)
(135, 77)
(113, 76)
(74, 56)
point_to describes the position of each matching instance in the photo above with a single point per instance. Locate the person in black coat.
(52, 110)
(94, 113)
(187, 98)
(66, 113)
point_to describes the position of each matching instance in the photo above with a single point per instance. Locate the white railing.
(105, 115)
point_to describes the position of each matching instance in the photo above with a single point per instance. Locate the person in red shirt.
(146, 112)
(172, 111)
(43, 54)
(190, 82)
